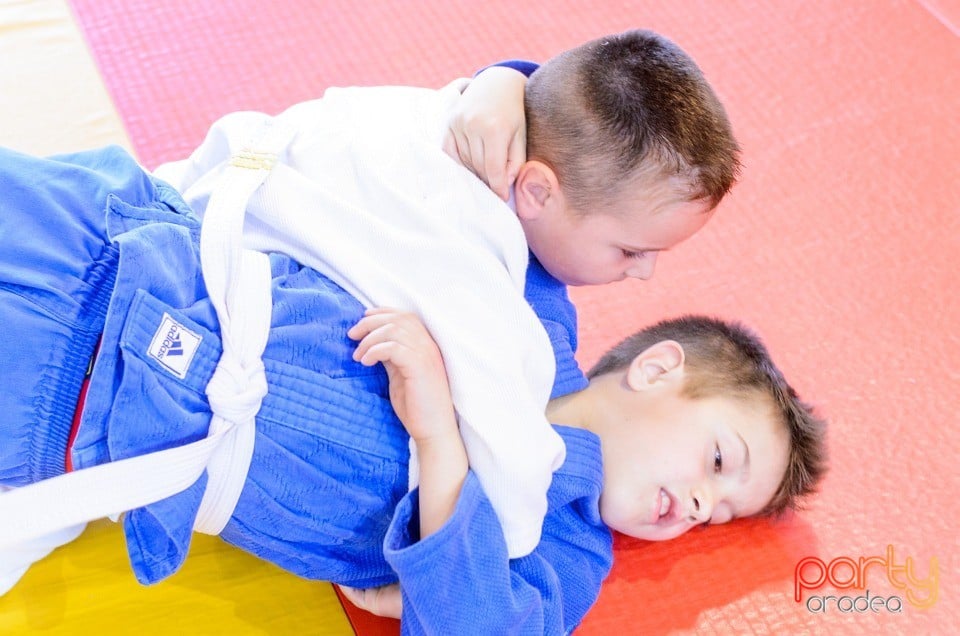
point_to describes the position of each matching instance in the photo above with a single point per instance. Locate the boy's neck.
(573, 409)
(593, 408)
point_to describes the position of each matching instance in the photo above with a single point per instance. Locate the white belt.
(238, 283)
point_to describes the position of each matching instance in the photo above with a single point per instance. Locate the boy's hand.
(487, 130)
(420, 395)
(381, 601)
(419, 390)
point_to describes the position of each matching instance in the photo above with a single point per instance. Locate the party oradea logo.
(865, 584)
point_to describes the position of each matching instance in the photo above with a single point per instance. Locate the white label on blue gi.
(174, 346)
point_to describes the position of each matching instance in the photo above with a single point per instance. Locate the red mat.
(840, 245)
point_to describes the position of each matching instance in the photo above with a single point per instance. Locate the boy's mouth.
(667, 506)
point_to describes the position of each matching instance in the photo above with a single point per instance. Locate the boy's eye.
(632, 254)
(717, 460)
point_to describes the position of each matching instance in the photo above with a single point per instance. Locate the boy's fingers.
(495, 165)
(389, 601)
(502, 158)
(372, 318)
(380, 310)
(388, 335)
(382, 601)
(451, 147)
(477, 164)
(460, 149)
(516, 157)
(376, 332)
(384, 351)
(353, 595)
(386, 338)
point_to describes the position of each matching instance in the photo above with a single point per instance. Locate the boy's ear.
(536, 186)
(659, 363)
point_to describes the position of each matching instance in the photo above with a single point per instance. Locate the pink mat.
(840, 245)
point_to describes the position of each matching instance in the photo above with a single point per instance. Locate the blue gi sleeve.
(524, 66)
(459, 580)
(549, 300)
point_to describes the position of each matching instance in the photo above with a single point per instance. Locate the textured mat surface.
(840, 246)
(54, 99)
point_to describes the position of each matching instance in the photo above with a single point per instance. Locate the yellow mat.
(87, 588)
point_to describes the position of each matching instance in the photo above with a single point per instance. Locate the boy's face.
(671, 463)
(622, 241)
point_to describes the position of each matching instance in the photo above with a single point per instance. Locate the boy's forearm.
(443, 468)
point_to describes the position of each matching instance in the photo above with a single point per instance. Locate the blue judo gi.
(93, 249)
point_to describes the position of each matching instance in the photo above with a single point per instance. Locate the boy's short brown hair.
(626, 106)
(727, 359)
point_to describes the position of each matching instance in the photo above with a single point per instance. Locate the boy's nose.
(701, 506)
(643, 268)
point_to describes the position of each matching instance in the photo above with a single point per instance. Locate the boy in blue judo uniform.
(326, 496)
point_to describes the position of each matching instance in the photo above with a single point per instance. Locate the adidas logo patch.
(174, 346)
